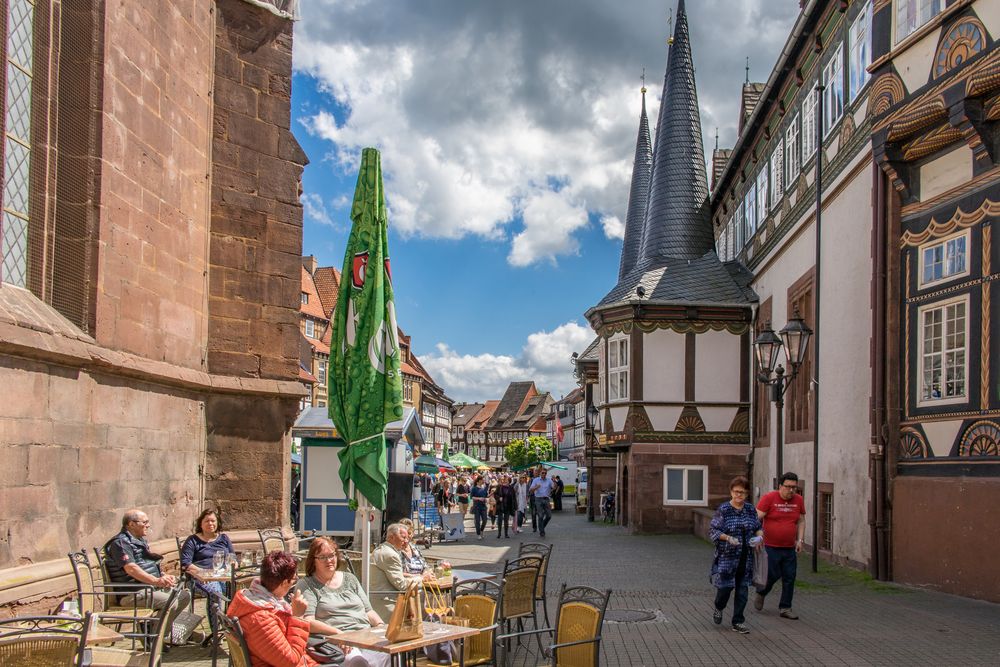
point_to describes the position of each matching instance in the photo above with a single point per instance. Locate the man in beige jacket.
(387, 576)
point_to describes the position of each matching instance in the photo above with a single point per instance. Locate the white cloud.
(613, 227)
(314, 209)
(549, 222)
(545, 358)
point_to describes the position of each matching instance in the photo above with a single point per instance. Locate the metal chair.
(240, 579)
(478, 600)
(186, 579)
(97, 597)
(577, 633)
(543, 551)
(517, 600)
(239, 652)
(271, 540)
(43, 641)
(100, 656)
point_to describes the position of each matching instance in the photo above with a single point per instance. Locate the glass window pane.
(696, 486)
(675, 484)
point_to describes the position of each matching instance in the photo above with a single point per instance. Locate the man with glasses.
(129, 561)
(783, 514)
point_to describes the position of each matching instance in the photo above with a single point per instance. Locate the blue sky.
(507, 133)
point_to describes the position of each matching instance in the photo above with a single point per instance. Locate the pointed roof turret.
(678, 223)
(638, 195)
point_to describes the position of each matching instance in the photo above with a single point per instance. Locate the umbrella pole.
(366, 541)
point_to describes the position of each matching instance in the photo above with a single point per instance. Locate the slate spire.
(678, 224)
(638, 195)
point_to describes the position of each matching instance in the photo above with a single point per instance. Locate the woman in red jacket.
(274, 629)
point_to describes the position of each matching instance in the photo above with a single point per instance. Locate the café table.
(98, 633)
(403, 653)
(458, 576)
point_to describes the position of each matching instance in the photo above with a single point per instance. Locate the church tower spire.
(678, 224)
(638, 194)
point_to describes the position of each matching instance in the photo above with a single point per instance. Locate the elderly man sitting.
(387, 575)
(129, 561)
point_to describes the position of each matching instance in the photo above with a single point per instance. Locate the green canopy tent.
(461, 460)
(539, 463)
(431, 464)
(365, 385)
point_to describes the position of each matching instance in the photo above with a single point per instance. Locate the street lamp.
(795, 341)
(593, 415)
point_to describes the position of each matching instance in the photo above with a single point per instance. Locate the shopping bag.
(405, 623)
(760, 569)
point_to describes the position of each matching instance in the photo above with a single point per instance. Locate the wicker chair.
(271, 540)
(517, 600)
(117, 657)
(577, 633)
(43, 641)
(100, 598)
(239, 652)
(543, 551)
(478, 600)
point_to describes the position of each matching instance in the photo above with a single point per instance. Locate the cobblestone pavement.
(846, 619)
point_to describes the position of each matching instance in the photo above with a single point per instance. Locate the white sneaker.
(480, 537)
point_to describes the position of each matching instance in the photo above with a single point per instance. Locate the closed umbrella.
(365, 385)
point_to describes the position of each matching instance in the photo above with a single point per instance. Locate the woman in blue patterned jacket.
(736, 533)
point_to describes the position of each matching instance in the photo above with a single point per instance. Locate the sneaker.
(758, 601)
(717, 616)
(741, 628)
(480, 537)
(788, 613)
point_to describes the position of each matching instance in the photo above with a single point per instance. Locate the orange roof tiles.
(314, 306)
(483, 415)
(327, 279)
(306, 376)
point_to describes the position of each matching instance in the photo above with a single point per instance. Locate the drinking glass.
(218, 562)
(245, 559)
(231, 561)
(258, 557)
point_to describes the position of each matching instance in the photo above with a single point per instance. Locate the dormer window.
(310, 329)
(305, 298)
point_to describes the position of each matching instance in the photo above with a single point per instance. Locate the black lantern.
(795, 337)
(767, 346)
(593, 415)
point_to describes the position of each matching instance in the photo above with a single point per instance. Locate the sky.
(507, 132)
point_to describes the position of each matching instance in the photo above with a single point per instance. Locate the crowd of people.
(505, 501)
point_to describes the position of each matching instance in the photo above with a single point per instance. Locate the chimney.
(310, 264)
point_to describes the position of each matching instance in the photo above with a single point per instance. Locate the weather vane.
(670, 27)
(748, 69)
(643, 77)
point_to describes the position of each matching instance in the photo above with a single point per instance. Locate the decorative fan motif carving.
(887, 90)
(912, 444)
(638, 420)
(741, 422)
(981, 439)
(690, 421)
(965, 39)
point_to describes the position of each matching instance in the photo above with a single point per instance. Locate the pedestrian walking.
(782, 514)
(736, 532)
(521, 499)
(557, 493)
(505, 505)
(479, 493)
(531, 502)
(491, 505)
(462, 493)
(542, 487)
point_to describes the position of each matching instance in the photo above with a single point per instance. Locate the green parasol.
(462, 460)
(365, 385)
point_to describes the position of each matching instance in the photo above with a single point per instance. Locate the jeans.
(212, 590)
(520, 517)
(782, 563)
(739, 605)
(543, 513)
(479, 517)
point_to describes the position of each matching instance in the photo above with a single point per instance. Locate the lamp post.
(592, 416)
(795, 341)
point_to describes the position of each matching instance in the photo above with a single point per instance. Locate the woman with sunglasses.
(736, 533)
(275, 630)
(336, 602)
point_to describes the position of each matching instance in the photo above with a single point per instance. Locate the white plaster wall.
(844, 361)
(618, 416)
(717, 366)
(717, 419)
(663, 366)
(914, 63)
(663, 418)
(989, 14)
(941, 436)
(946, 172)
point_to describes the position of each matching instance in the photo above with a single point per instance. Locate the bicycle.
(608, 509)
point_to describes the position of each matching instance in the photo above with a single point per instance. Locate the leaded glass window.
(17, 147)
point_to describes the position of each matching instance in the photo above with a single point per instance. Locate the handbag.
(405, 623)
(760, 566)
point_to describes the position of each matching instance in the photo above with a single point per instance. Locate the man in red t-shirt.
(783, 514)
